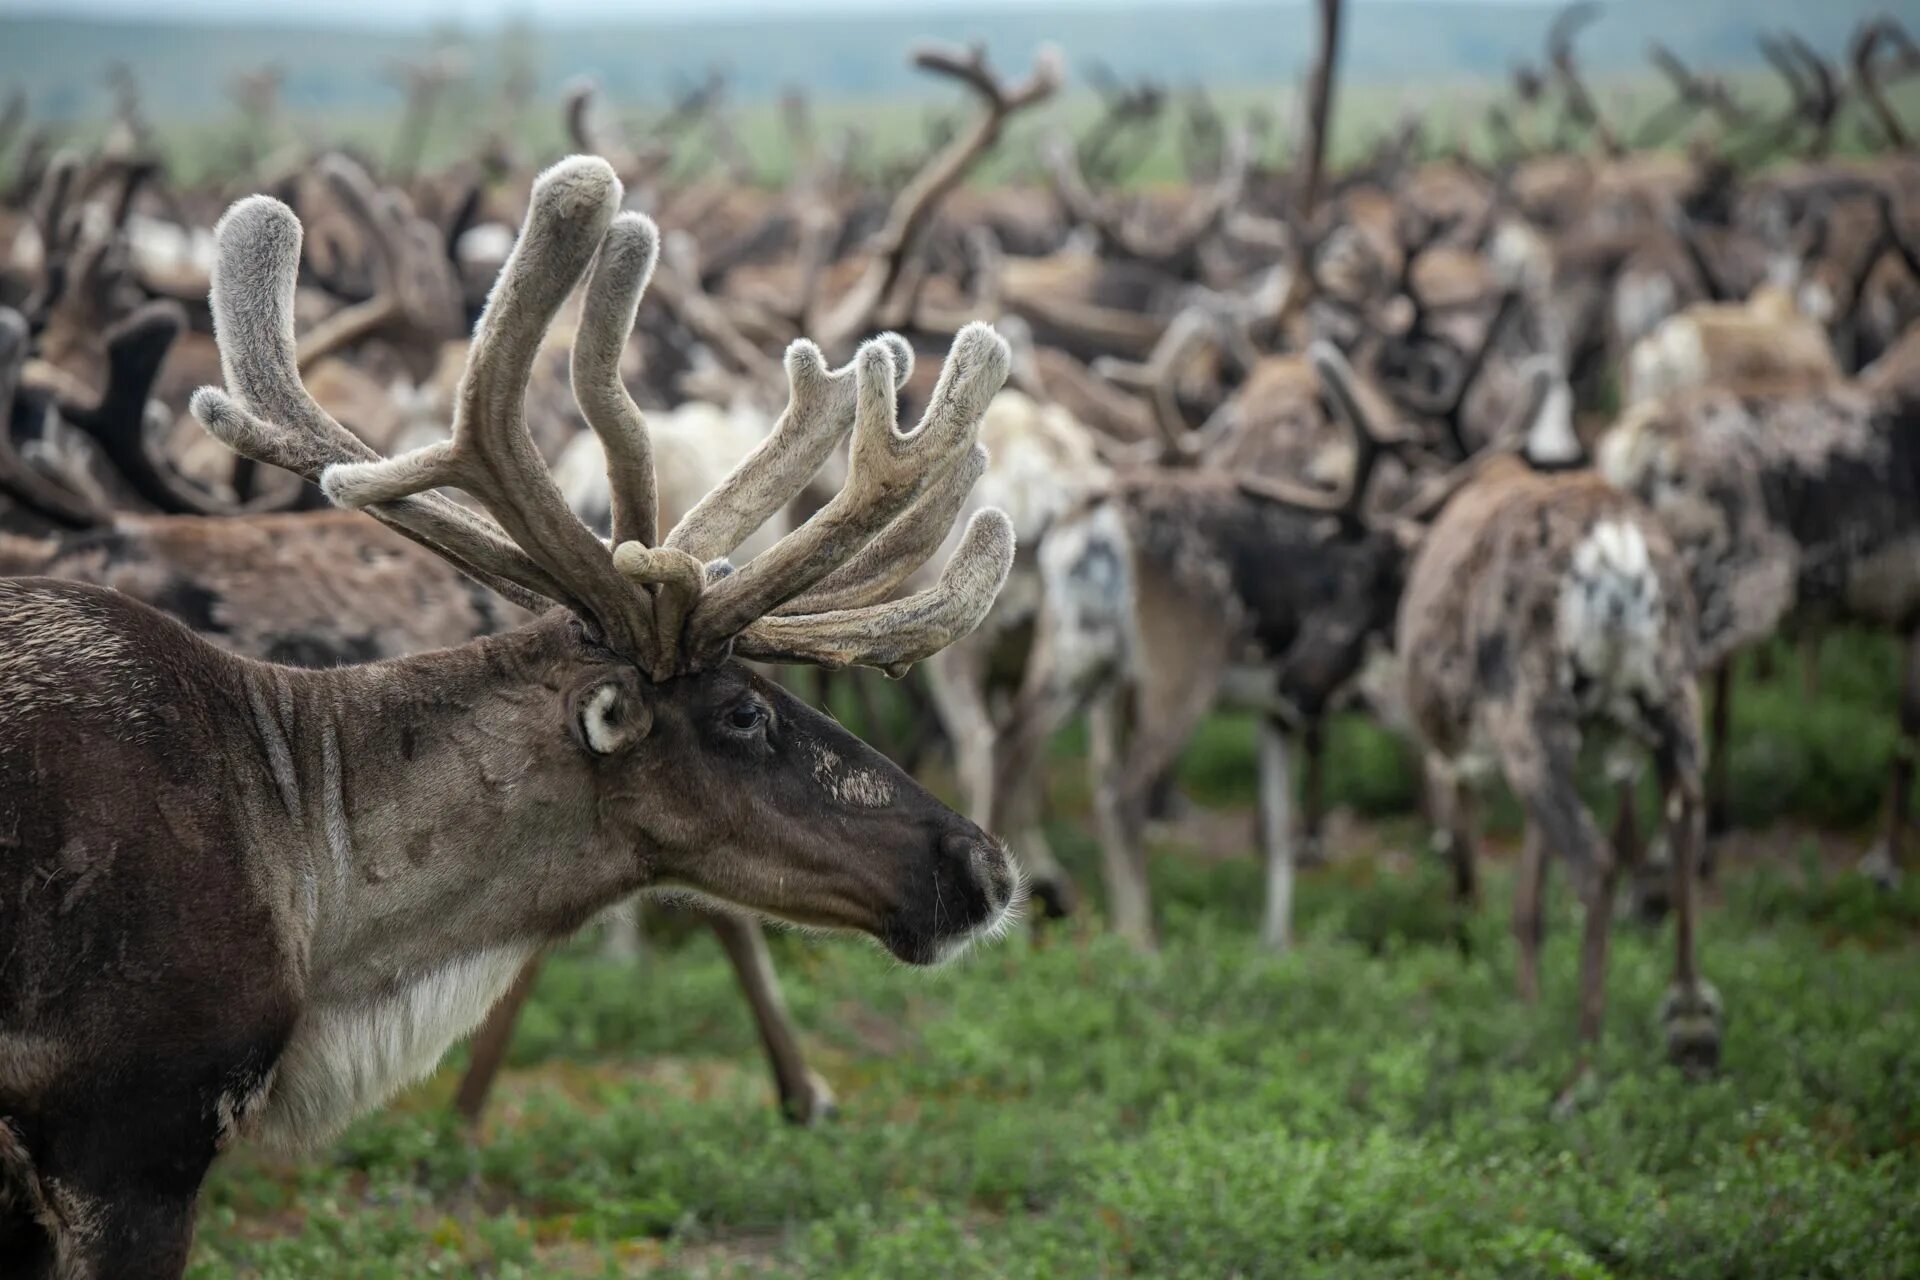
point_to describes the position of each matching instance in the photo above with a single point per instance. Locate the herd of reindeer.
(1515, 451)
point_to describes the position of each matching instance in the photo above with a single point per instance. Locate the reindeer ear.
(610, 713)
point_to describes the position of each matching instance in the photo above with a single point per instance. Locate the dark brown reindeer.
(1542, 610)
(297, 888)
(308, 589)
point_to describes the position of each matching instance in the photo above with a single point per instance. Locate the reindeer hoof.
(813, 1105)
(1692, 1017)
(1878, 866)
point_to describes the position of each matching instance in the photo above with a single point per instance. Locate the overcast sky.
(486, 13)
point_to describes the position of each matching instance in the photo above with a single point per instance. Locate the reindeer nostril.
(994, 870)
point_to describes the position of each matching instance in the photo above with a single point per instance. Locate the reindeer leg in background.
(624, 940)
(1276, 833)
(1311, 848)
(1647, 870)
(926, 733)
(1882, 862)
(873, 722)
(957, 679)
(1117, 822)
(1180, 670)
(804, 1096)
(1456, 837)
(1719, 753)
(1529, 912)
(491, 1041)
(1809, 646)
(1691, 1012)
(1539, 751)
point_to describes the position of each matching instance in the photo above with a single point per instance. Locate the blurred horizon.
(495, 14)
(186, 53)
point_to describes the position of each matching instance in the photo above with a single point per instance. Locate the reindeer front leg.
(1456, 836)
(1719, 752)
(1117, 815)
(1529, 913)
(1276, 832)
(804, 1095)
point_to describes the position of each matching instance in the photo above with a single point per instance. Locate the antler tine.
(388, 227)
(899, 550)
(888, 473)
(820, 408)
(1336, 375)
(17, 478)
(1156, 376)
(586, 133)
(136, 348)
(620, 276)
(274, 421)
(1336, 380)
(57, 188)
(12, 117)
(914, 205)
(491, 455)
(971, 67)
(1866, 47)
(894, 636)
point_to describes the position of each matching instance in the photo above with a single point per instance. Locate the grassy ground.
(1373, 1104)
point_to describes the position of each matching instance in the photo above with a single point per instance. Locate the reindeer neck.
(436, 808)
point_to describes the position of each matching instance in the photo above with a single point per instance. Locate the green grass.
(1372, 1104)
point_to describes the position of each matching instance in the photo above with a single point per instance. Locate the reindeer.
(1544, 609)
(1764, 341)
(312, 589)
(330, 875)
(1790, 509)
(1168, 588)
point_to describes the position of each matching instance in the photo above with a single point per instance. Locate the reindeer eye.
(747, 716)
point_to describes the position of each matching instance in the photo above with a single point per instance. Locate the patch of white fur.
(1671, 358)
(1816, 302)
(1640, 303)
(1550, 437)
(1520, 256)
(993, 928)
(1086, 564)
(159, 247)
(695, 446)
(601, 736)
(1610, 619)
(349, 1057)
(1040, 461)
(862, 788)
(488, 242)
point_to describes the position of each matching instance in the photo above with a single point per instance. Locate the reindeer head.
(659, 751)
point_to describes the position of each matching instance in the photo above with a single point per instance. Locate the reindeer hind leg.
(1691, 1013)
